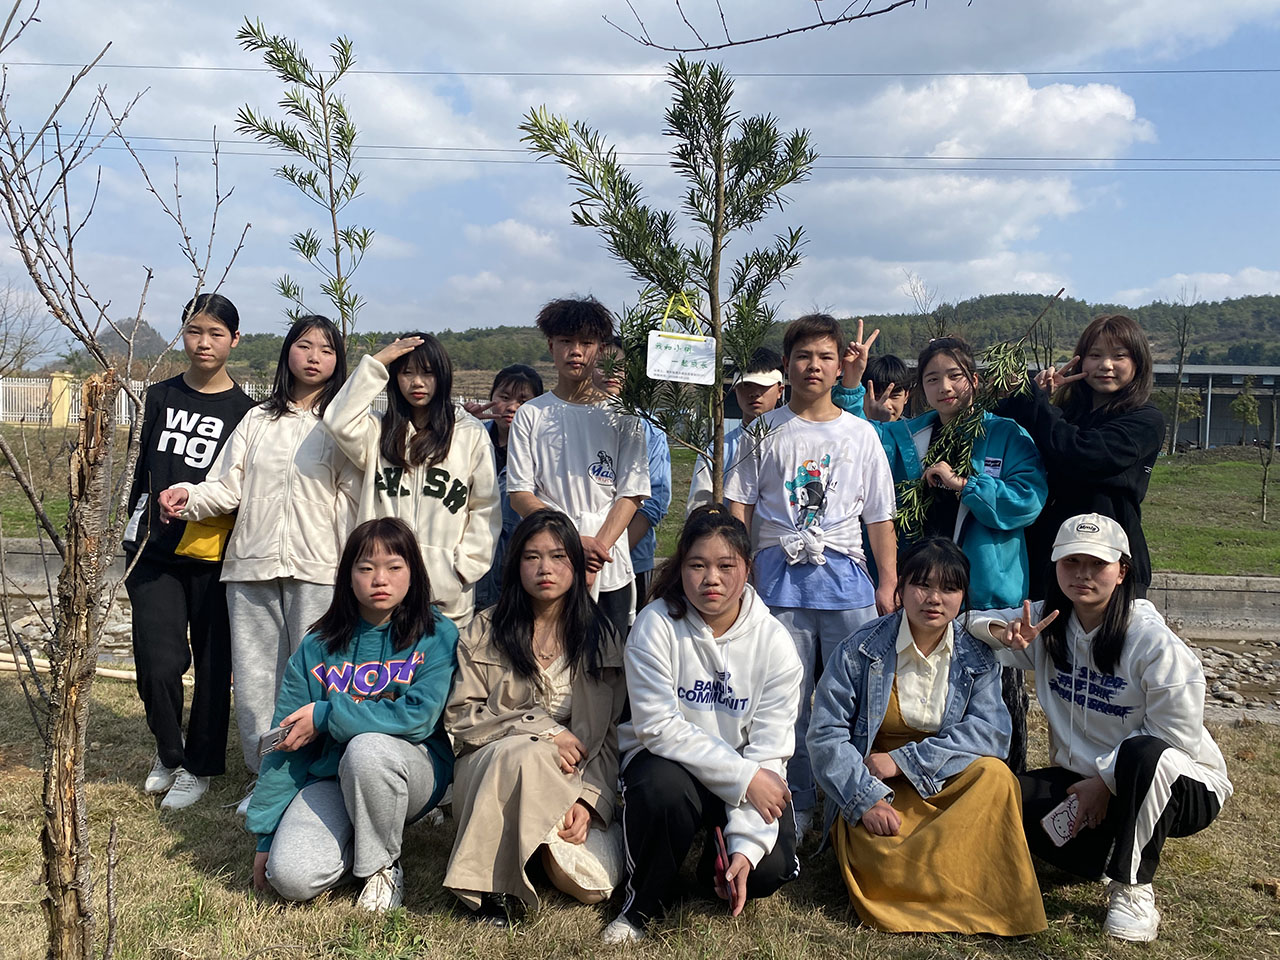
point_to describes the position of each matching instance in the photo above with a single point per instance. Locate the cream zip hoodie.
(723, 707)
(452, 507)
(294, 490)
(1157, 690)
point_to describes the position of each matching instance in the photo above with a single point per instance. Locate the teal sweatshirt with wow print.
(1004, 494)
(368, 687)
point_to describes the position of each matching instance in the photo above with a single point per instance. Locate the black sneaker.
(499, 909)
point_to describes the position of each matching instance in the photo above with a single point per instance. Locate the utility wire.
(659, 153)
(817, 75)
(820, 166)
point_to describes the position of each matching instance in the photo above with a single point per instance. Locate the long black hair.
(431, 444)
(583, 628)
(277, 404)
(413, 618)
(1108, 642)
(934, 558)
(955, 348)
(710, 519)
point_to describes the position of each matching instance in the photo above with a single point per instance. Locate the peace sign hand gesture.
(854, 362)
(1019, 633)
(873, 405)
(1051, 379)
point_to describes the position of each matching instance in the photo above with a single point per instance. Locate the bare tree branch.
(643, 37)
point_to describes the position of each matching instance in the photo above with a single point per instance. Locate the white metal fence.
(33, 399)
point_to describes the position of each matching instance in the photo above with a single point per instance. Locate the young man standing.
(758, 390)
(642, 537)
(569, 451)
(175, 588)
(815, 475)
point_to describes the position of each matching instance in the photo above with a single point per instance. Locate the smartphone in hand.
(271, 740)
(1058, 822)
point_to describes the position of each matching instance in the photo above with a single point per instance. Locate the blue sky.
(471, 244)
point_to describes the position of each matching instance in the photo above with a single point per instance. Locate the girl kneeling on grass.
(1124, 698)
(367, 753)
(714, 682)
(906, 738)
(534, 719)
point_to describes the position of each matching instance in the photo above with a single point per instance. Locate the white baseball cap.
(761, 378)
(1093, 535)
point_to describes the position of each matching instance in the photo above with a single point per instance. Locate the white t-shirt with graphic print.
(831, 474)
(580, 458)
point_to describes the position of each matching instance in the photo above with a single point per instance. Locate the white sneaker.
(1132, 914)
(160, 778)
(621, 931)
(383, 890)
(187, 789)
(804, 825)
(242, 808)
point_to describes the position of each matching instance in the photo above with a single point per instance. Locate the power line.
(873, 167)
(813, 75)
(827, 156)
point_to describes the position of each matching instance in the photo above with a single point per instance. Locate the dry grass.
(184, 881)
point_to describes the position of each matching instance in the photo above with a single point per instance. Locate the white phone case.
(1057, 822)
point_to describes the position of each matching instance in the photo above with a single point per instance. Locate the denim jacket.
(853, 696)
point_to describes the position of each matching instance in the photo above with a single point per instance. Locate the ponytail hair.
(710, 519)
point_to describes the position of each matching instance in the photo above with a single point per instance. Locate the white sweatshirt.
(723, 707)
(452, 507)
(1157, 690)
(294, 490)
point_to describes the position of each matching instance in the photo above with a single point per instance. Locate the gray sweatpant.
(268, 618)
(354, 824)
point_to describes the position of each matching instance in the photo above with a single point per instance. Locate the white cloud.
(1247, 281)
(513, 235)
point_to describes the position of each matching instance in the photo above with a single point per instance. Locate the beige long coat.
(508, 789)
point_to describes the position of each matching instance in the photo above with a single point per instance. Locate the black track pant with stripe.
(180, 618)
(1159, 794)
(663, 807)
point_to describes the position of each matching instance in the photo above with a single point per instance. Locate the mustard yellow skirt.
(959, 863)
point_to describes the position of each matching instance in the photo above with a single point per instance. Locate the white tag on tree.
(683, 357)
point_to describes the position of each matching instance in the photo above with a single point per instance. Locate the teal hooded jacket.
(367, 687)
(1005, 493)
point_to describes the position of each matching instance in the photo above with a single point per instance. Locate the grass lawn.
(1203, 514)
(184, 879)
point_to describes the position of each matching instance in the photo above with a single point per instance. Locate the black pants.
(616, 606)
(644, 579)
(1158, 795)
(663, 807)
(170, 601)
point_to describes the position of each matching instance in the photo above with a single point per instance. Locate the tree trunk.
(1268, 456)
(64, 838)
(1177, 405)
(713, 303)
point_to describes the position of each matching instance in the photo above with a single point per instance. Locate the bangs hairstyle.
(277, 404)
(886, 369)
(515, 376)
(412, 619)
(1076, 399)
(1108, 642)
(584, 317)
(584, 629)
(813, 326)
(430, 444)
(213, 305)
(709, 520)
(935, 560)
